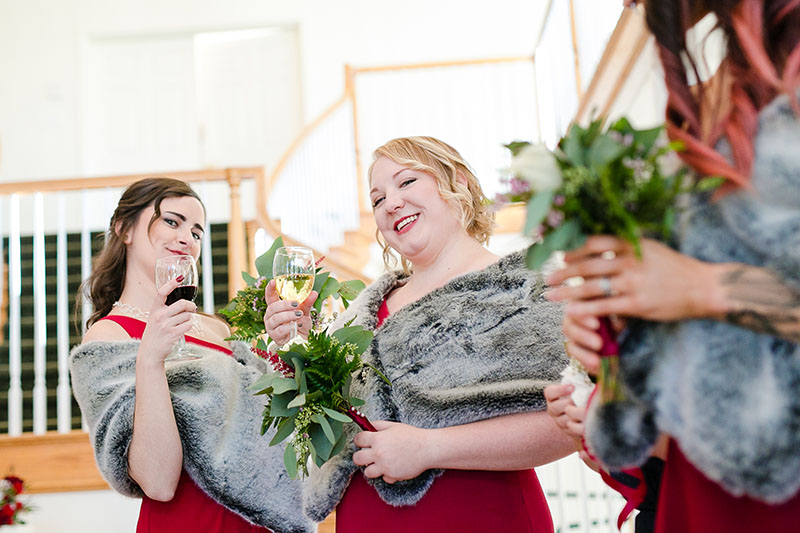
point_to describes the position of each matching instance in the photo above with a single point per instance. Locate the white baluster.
(63, 395)
(39, 320)
(14, 341)
(86, 268)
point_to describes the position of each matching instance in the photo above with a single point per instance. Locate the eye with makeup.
(175, 224)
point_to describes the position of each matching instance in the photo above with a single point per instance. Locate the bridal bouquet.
(309, 395)
(615, 181)
(308, 391)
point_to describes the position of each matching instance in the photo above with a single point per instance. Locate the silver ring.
(605, 286)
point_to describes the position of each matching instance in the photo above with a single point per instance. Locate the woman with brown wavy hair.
(711, 352)
(181, 435)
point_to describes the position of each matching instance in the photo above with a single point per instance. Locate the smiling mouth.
(402, 223)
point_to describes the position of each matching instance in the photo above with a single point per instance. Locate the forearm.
(511, 442)
(754, 298)
(155, 456)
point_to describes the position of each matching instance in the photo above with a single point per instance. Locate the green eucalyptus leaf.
(285, 429)
(321, 443)
(281, 385)
(356, 402)
(264, 261)
(537, 255)
(261, 345)
(299, 401)
(350, 289)
(336, 415)
(290, 461)
(279, 406)
(250, 280)
(538, 207)
(572, 147)
(647, 137)
(516, 146)
(320, 279)
(264, 382)
(329, 288)
(354, 335)
(603, 151)
(325, 425)
(339, 446)
(562, 237)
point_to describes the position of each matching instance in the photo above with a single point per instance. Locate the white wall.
(42, 49)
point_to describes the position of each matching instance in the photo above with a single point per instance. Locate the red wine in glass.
(186, 292)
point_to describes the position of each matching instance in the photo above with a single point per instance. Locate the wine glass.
(167, 269)
(293, 269)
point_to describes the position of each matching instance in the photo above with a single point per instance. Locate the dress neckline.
(135, 328)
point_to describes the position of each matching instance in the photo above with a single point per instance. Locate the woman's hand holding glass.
(166, 325)
(282, 316)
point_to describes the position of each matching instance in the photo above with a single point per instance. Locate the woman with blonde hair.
(468, 342)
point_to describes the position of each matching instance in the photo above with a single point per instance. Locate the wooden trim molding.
(53, 462)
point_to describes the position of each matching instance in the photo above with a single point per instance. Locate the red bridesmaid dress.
(459, 500)
(190, 509)
(691, 503)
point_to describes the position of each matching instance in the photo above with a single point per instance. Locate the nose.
(394, 201)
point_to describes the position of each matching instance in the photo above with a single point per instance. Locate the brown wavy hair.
(762, 60)
(443, 162)
(104, 286)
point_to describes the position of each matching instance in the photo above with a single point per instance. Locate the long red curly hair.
(762, 60)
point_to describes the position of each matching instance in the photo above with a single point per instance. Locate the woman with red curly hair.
(710, 351)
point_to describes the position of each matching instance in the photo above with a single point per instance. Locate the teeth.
(406, 221)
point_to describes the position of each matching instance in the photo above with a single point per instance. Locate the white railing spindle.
(14, 338)
(206, 258)
(39, 319)
(86, 269)
(63, 394)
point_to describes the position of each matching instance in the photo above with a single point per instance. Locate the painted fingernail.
(298, 313)
(295, 304)
(179, 278)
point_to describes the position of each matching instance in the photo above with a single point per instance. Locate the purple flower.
(519, 186)
(555, 218)
(559, 200)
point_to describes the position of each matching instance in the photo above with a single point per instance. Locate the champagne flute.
(293, 269)
(167, 269)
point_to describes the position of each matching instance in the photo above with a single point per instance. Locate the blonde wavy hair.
(443, 162)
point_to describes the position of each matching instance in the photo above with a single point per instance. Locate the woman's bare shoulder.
(105, 330)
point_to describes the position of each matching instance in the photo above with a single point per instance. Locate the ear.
(126, 238)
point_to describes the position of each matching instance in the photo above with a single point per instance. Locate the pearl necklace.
(135, 312)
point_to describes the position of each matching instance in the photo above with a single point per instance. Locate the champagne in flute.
(293, 269)
(167, 269)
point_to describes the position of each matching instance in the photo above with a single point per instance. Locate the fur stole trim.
(218, 420)
(484, 345)
(727, 394)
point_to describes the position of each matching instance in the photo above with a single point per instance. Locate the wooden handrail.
(74, 184)
(624, 48)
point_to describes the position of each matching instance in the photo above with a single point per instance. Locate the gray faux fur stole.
(728, 395)
(486, 344)
(218, 420)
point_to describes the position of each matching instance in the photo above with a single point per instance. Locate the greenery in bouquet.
(245, 312)
(613, 181)
(309, 395)
(10, 506)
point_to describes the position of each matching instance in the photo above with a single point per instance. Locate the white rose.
(537, 165)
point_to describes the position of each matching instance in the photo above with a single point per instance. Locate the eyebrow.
(183, 218)
(393, 177)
